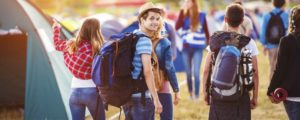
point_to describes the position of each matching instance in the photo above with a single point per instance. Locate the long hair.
(294, 26)
(193, 14)
(89, 31)
(157, 34)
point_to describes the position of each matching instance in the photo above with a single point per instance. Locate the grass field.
(197, 110)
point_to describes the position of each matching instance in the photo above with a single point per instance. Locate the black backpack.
(275, 28)
(111, 71)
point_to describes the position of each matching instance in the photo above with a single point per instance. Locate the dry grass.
(191, 110)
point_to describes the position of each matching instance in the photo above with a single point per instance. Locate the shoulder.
(85, 46)
(247, 22)
(252, 47)
(287, 39)
(142, 36)
(144, 46)
(252, 44)
(165, 41)
(144, 41)
(285, 15)
(267, 15)
(247, 19)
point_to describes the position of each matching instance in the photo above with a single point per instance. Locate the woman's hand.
(273, 100)
(158, 106)
(177, 98)
(55, 24)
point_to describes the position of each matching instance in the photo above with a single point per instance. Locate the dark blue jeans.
(86, 97)
(192, 58)
(135, 110)
(166, 101)
(292, 109)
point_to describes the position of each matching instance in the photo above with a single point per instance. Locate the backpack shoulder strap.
(208, 80)
(141, 35)
(272, 14)
(280, 12)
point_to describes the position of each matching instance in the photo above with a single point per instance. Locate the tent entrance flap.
(13, 69)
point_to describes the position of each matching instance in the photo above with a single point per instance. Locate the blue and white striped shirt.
(143, 46)
(195, 39)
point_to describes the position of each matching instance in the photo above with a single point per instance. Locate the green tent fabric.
(47, 80)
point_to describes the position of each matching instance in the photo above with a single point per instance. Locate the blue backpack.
(225, 76)
(226, 67)
(111, 70)
(226, 83)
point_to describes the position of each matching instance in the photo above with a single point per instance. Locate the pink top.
(165, 88)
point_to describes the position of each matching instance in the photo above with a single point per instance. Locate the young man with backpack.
(274, 26)
(226, 82)
(123, 70)
(149, 19)
(164, 52)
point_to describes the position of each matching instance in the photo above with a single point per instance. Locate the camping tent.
(32, 72)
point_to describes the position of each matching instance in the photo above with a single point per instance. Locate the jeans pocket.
(74, 97)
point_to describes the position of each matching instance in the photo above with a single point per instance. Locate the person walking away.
(78, 58)
(235, 103)
(274, 26)
(286, 74)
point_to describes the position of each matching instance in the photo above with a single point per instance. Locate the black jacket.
(287, 72)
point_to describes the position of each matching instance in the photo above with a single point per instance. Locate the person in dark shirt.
(286, 74)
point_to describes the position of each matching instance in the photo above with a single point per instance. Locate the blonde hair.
(155, 39)
(157, 34)
(89, 31)
(294, 20)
